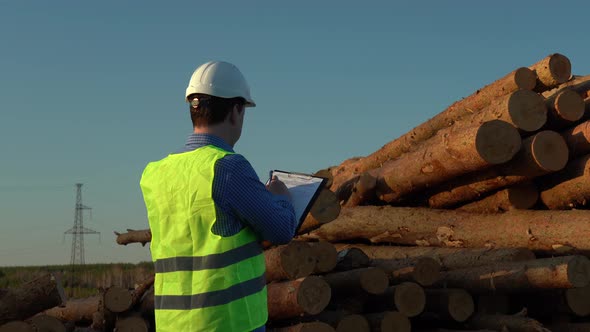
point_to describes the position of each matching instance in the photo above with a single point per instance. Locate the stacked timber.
(476, 220)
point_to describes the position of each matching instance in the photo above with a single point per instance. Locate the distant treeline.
(80, 280)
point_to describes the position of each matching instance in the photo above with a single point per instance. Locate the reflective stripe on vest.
(204, 282)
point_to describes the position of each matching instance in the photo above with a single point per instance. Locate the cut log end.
(17, 326)
(523, 196)
(569, 106)
(578, 271)
(549, 151)
(497, 141)
(326, 207)
(461, 305)
(316, 327)
(297, 260)
(409, 299)
(326, 173)
(353, 323)
(427, 271)
(374, 281)
(394, 321)
(326, 256)
(314, 295)
(560, 68)
(118, 299)
(525, 78)
(527, 110)
(578, 300)
(352, 258)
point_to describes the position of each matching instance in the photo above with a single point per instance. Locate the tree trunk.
(514, 323)
(31, 298)
(564, 109)
(324, 209)
(141, 289)
(339, 320)
(142, 236)
(520, 79)
(76, 310)
(450, 304)
(449, 258)
(578, 139)
(357, 190)
(521, 196)
(370, 280)
(549, 232)
(542, 153)
(389, 321)
(408, 298)
(306, 327)
(423, 270)
(309, 295)
(353, 323)
(572, 188)
(352, 258)
(545, 273)
(547, 303)
(45, 323)
(118, 299)
(103, 319)
(326, 256)
(446, 157)
(290, 261)
(553, 70)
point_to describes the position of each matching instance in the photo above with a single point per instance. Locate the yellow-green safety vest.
(204, 282)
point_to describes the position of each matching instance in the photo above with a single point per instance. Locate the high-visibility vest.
(204, 282)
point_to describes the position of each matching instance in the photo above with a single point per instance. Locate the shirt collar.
(195, 141)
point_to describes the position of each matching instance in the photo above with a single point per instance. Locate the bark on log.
(520, 79)
(423, 270)
(370, 280)
(351, 258)
(551, 71)
(408, 298)
(141, 289)
(572, 188)
(142, 236)
(17, 326)
(132, 324)
(564, 109)
(549, 232)
(450, 304)
(289, 299)
(103, 319)
(76, 310)
(547, 273)
(325, 255)
(45, 323)
(324, 209)
(290, 261)
(358, 190)
(514, 323)
(390, 321)
(578, 139)
(541, 154)
(306, 327)
(448, 156)
(521, 197)
(449, 258)
(31, 298)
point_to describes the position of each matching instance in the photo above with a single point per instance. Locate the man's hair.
(212, 110)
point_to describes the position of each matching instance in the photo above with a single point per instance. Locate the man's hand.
(277, 187)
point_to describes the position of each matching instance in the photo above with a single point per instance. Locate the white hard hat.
(219, 79)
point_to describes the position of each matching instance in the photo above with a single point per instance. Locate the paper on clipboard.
(303, 189)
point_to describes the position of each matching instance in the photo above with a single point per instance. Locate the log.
(370, 280)
(389, 321)
(514, 323)
(351, 258)
(520, 79)
(447, 156)
(17, 326)
(521, 196)
(579, 84)
(45, 323)
(578, 300)
(103, 319)
(306, 327)
(450, 304)
(353, 323)
(548, 232)
(132, 324)
(309, 295)
(141, 289)
(339, 320)
(408, 298)
(571, 327)
(76, 310)
(547, 303)
(325, 255)
(118, 299)
(146, 303)
(551, 71)
(572, 188)
(545, 273)
(578, 139)
(423, 270)
(543, 153)
(358, 190)
(142, 236)
(449, 258)
(325, 173)
(291, 261)
(31, 298)
(325, 208)
(564, 109)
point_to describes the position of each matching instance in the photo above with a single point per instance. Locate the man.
(208, 212)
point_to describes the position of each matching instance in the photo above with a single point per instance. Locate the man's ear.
(234, 114)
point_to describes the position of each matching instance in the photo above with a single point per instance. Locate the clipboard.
(304, 190)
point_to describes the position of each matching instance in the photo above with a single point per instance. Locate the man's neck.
(215, 130)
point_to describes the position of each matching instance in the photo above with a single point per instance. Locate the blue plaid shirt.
(242, 200)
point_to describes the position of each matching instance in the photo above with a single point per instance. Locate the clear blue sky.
(92, 91)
